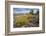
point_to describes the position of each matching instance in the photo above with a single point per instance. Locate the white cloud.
(34, 11)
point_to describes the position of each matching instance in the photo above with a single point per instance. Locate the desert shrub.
(22, 20)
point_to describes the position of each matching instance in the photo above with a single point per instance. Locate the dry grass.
(21, 20)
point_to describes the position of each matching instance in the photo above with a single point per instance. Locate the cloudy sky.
(23, 10)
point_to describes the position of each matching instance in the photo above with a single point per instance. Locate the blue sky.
(23, 10)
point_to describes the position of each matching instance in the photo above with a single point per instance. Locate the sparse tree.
(38, 12)
(31, 12)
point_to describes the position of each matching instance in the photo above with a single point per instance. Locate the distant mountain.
(20, 13)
